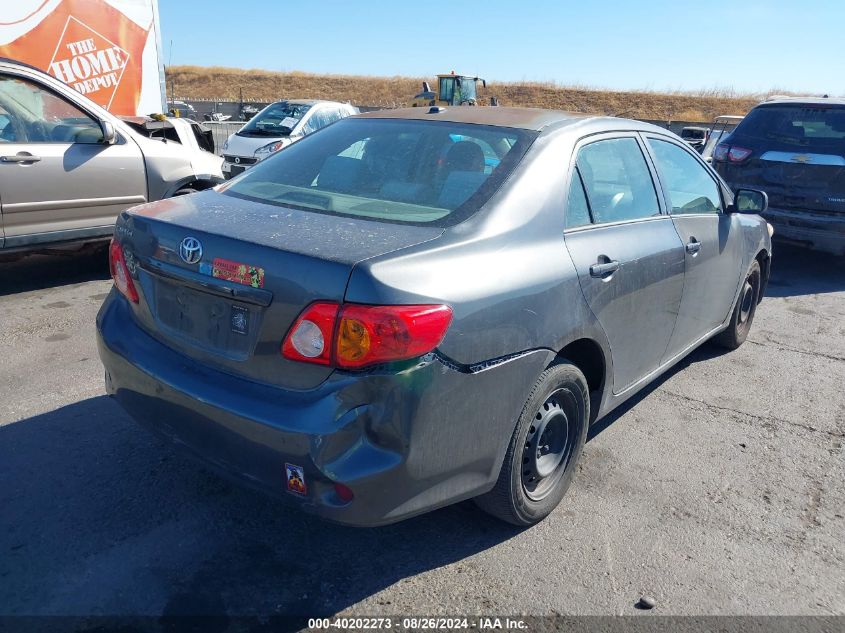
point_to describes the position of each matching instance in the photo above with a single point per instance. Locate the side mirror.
(109, 134)
(749, 201)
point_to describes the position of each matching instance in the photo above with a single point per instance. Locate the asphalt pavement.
(720, 490)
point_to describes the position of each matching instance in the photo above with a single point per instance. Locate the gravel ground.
(720, 490)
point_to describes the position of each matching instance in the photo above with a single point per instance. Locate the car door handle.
(602, 270)
(693, 246)
(20, 158)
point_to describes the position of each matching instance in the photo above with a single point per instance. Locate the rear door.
(712, 244)
(628, 255)
(56, 175)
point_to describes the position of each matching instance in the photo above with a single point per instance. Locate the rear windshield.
(395, 170)
(797, 125)
(277, 119)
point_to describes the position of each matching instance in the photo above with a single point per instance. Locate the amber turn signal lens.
(353, 340)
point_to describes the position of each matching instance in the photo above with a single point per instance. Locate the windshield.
(451, 92)
(277, 119)
(801, 126)
(393, 170)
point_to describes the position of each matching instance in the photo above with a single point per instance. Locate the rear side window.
(577, 209)
(321, 118)
(389, 169)
(690, 187)
(797, 125)
(617, 180)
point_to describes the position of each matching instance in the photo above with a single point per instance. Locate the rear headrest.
(465, 156)
(459, 186)
(340, 173)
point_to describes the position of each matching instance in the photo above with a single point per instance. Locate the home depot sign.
(106, 49)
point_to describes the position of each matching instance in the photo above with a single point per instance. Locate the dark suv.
(794, 149)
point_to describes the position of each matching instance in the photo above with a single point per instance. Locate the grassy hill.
(218, 83)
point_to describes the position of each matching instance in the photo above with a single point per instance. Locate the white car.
(276, 126)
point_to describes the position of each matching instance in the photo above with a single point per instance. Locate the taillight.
(738, 154)
(120, 272)
(353, 336)
(720, 153)
(310, 338)
(375, 334)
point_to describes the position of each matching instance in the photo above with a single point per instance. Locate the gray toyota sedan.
(415, 307)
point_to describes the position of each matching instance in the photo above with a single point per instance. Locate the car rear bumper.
(404, 442)
(822, 232)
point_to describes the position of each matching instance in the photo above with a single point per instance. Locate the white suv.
(279, 124)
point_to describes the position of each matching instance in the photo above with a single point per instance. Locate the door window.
(617, 180)
(689, 186)
(577, 209)
(320, 119)
(37, 115)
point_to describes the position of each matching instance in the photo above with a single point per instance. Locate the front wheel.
(744, 311)
(545, 446)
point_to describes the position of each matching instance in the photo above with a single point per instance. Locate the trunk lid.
(231, 304)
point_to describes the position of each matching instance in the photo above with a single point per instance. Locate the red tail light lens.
(310, 339)
(120, 272)
(375, 334)
(353, 336)
(738, 154)
(720, 153)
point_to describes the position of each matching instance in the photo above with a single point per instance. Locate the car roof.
(310, 102)
(803, 101)
(525, 118)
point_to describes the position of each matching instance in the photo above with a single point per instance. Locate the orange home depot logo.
(92, 47)
(89, 62)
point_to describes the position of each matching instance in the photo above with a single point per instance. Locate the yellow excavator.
(452, 90)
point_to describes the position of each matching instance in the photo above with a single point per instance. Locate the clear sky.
(747, 45)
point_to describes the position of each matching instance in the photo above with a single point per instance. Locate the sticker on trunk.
(295, 476)
(240, 320)
(238, 272)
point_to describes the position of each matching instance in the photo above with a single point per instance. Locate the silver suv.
(68, 167)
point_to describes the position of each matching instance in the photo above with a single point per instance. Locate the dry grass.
(218, 83)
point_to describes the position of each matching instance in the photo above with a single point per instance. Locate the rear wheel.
(744, 311)
(544, 448)
(184, 191)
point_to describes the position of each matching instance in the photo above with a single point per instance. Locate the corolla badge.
(190, 250)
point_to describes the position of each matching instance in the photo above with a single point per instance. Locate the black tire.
(184, 191)
(554, 419)
(743, 313)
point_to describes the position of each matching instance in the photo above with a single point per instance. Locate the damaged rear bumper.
(820, 231)
(405, 441)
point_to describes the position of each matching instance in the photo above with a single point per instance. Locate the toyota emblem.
(190, 250)
(237, 160)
